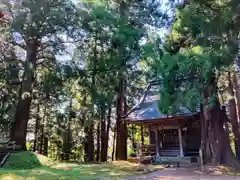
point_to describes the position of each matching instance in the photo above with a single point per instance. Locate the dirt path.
(182, 174)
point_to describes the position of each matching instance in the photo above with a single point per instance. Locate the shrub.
(28, 146)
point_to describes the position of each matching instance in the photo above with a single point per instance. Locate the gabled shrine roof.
(147, 108)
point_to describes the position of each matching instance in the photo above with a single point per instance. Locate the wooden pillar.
(180, 142)
(161, 143)
(149, 135)
(161, 139)
(157, 141)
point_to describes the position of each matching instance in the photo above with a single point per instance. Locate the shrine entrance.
(169, 137)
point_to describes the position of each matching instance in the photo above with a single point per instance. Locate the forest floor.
(210, 173)
(30, 166)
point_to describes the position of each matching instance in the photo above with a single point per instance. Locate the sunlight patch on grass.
(105, 170)
(15, 177)
(65, 165)
(116, 174)
(44, 160)
(43, 171)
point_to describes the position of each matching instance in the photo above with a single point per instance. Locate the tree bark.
(67, 143)
(142, 135)
(3, 100)
(103, 156)
(98, 142)
(205, 142)
(89, 143)
(133, 139)
(234, 116)
(36, 128)
(113, 145)
(216, 133)
(41, 144)
(105, 134)
(19, 129)
(121, 140)
(237, 91)
(108, 129)
(45, 146)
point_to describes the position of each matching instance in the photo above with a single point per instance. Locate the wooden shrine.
(177, 135)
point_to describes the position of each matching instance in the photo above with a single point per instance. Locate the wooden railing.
(7, 144)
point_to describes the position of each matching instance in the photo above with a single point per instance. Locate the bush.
(28, 146)
(131, 152)
(133, 155)
(22, 160)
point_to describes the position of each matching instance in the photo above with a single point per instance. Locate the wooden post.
(149, 135)
(201, 158)
(161, 140)
(157, 141)
(180, 142)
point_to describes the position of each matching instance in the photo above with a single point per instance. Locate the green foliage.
(103, 42)
(28, 146)
(200, 45)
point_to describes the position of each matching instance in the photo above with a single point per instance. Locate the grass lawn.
(19, 166)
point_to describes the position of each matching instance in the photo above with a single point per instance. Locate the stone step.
(172, 146)
(169, 155)
(175, 161)
(169, 150)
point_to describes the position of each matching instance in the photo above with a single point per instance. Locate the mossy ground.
(30, 166)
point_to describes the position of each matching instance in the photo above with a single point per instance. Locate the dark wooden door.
(170, 137)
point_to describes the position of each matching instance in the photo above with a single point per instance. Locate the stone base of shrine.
(175, 161)
(161, 160)
(141, 160)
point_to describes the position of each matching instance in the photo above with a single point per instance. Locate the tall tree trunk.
(103, 156)
(45, 146)
(98, 142)
(214, 121)
(19, 128)
(236, 85)
(67, 143)
(69, 133)
(3, 100)
(142, 135)
(113, 145)
(104, 141)
(205, 139)
(234, 116)
(121, 141)
(108, 130)
(36, 128)
(5, 127)
(89, 142)
(41, 144)
(133, 139)
(89, 138)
